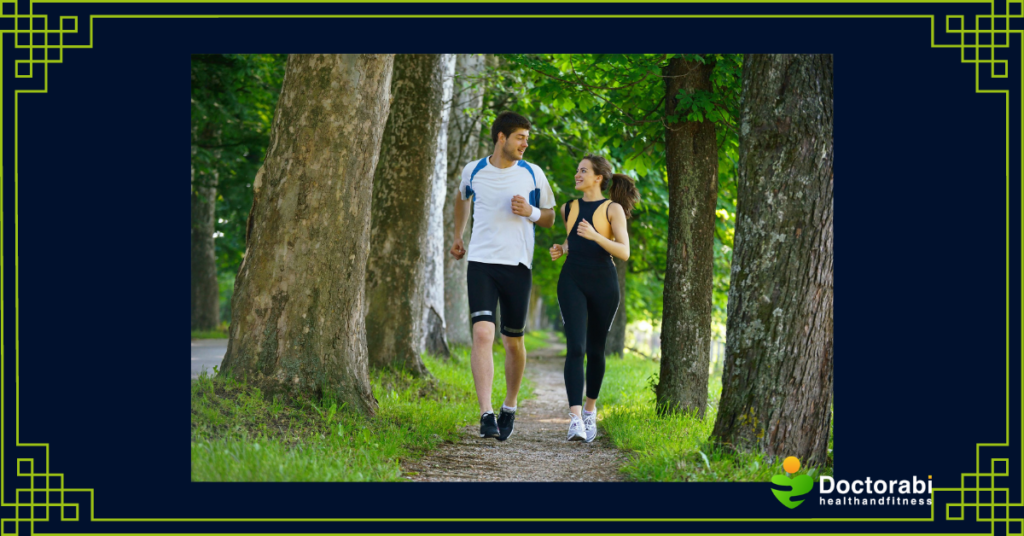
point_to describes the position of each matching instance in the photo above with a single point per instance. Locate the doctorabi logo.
(866, 492)
(797, 484)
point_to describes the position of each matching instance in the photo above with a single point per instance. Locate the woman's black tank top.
(581, 250)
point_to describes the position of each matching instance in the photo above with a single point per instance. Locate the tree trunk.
(463, 146)
(205, 292)
(403, 190)
(692, 159)
(777, 382)
(535, 311)
(436, 336)
(297, 311)
(616, 342)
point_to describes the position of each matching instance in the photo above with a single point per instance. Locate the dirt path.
(537, 450)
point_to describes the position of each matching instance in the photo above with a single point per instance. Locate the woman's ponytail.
(624, 192)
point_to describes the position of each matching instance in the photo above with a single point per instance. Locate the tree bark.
(535, 311)
(435, 321)
(463, 146)
(205, 291)
(403, 192)
(692, 159)
(777, 382)
(616, 342)
(297, 311)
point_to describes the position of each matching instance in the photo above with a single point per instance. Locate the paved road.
(206, 353)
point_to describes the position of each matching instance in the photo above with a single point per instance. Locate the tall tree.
(616, 342)
(297, 310)
(777, 382)
(396, 277)
(205, 296)
(435, 321)
(233, 101)
(692, 160)
(463, 146)
(616, 104)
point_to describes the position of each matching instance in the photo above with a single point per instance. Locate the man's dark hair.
(507, 123)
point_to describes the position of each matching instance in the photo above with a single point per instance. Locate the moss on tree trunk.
(463, 146)
(692, 160)
(397, 273)
(298, 305)
(777, 382)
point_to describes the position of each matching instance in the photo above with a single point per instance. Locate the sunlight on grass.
(676, 447)
(212, 334)
(238, 435)
(536, 340)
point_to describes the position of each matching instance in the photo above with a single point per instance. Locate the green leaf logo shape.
(799, 484)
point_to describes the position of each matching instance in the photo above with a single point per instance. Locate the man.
(509, 196)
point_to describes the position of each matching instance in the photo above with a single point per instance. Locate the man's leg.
(481, 360)
(514, 295)
(515, 365)
(483, 300)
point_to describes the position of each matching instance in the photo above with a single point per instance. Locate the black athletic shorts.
(487, 284)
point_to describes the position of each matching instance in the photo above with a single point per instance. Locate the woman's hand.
(586, 231)
(556, 252)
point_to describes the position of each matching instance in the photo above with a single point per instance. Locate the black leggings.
(588, 296)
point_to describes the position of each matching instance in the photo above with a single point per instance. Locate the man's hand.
(520, 207)
(556, 252)
(586, 231)
(458, 250)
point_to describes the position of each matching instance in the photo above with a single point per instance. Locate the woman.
(588, 289)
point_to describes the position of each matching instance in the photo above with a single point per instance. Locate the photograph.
(512, 267)
(535, 268)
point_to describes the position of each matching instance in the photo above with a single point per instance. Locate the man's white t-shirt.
(499, 235)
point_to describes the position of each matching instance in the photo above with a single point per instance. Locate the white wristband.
(535, 215)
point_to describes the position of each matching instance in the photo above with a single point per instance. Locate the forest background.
(613, 105)
(310, 318)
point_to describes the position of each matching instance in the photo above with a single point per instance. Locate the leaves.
(614, 105)
(234, 98)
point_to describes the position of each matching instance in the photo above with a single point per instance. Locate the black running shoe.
(506, 420)
(488, 426)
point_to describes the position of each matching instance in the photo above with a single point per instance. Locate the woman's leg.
(602, 302)
(573, 306)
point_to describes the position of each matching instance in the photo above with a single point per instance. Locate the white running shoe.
(590, 426)
(577, 431)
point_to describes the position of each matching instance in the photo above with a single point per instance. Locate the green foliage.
(614, 105)
(609, 104)
(536, 340)
(238, 435)
(672, 448)
(211, 334)
(234, 97)
(226, 287)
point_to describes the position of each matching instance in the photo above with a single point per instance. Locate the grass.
(239, 435)
(536, 340)
(673, 448)
(212, 334)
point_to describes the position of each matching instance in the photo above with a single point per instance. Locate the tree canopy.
(614, 105)
(608, 104)
(234, 97)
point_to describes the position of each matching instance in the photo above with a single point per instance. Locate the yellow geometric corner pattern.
(984, 496)
(44, 499)
(987, 496)
(40, 35)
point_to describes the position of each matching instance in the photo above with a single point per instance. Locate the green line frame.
(45, 495)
